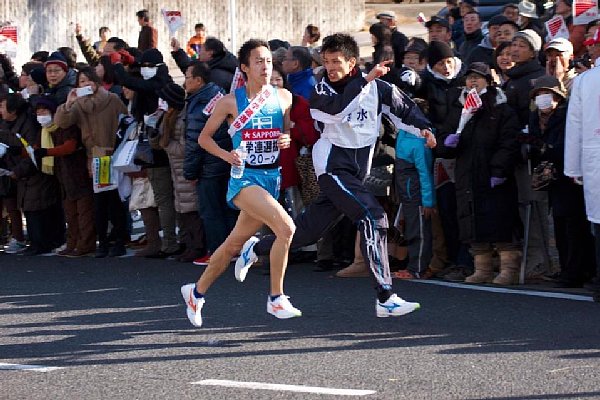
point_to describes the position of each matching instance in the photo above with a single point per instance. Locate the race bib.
(261, 145)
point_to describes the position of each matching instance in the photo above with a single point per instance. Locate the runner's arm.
(223, 109)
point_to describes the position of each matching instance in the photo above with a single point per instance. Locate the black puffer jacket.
(519, 85)
(198, 163)
(487, 148)
(434, 89)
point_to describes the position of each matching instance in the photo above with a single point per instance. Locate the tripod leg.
(525, 243)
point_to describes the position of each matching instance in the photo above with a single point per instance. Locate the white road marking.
(25, 367)
(286, 388)
(551, 295)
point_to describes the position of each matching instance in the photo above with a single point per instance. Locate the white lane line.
(551, 295)
(286, 388)
(25, 367)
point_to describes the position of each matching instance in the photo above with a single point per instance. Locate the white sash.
(252, 108)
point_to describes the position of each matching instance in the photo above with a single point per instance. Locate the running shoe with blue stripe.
(247, 258)
(394, 307)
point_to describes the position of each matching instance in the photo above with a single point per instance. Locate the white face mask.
(162, 104)
(519, 20)
(44, 120)
(148, 72)
(544, 101)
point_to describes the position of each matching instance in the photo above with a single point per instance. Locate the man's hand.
(284, 141)
(175, 45)
(427, 212)
(378, 71)
(126, 58)
(77, 29)
(431, 142)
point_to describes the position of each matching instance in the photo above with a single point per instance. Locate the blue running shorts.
(268, 179)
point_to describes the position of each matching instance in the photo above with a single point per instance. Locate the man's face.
(55, 74)
(4, 114)
(205, 54)
(141, 21)
(493, 33)
(439, 33)
(511, 13)
(506, 33)
(192, 84)
(411, 60)
(594, 51)
(471, 23)
(109, 48)
(105, 35)
(520, 51)
(260, 66)
(389, 22)
(24, 80)
(554, 56)
(445, 67)
(290, 64)
(337, 66)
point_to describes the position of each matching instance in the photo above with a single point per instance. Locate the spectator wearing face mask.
(572, 230)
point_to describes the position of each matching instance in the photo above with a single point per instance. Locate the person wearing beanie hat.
(486, 153)
(439, 51)
(62, 148)
(547, 125)
(174, 95)
(531, 38)
(60, 78)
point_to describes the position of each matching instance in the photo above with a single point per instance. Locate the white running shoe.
(394, 307)
(282, 308)
(194, 305)
(14, 246)
(246, 259)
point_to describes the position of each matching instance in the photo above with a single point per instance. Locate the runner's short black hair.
(342, 43)
(244, 53)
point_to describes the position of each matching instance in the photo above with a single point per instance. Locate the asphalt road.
(117, 330)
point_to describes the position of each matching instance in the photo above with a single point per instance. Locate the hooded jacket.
(483, 52)
(222, 68)
(519, 85)
(472, 40)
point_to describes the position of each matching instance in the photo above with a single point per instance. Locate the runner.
(347, 106)
(259, 120)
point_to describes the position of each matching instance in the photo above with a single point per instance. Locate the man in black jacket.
(221, 62)
(399, 39)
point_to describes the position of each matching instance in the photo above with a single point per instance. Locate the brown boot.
(510, 264)
(484, 270)
(358, 268)
(152, 226)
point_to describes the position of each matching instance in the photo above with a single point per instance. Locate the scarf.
(48, 143)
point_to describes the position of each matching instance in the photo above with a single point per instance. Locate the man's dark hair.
(14, 103)
(90, 73)
(69, 55)
(452, 2)
(216, 46)
(474, 12)
(199, 26)
(341, 42)
(244, 53)
(143, 14)
(119, 44)
(302, 54)
(510, 5)
(41, 56)
(313, 31)
(200, 70)
(102, 30)
(382, 33)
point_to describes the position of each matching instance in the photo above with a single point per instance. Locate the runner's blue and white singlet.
(261, 131)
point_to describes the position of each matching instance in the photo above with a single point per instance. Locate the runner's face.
(337, 65)
(260, 66)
